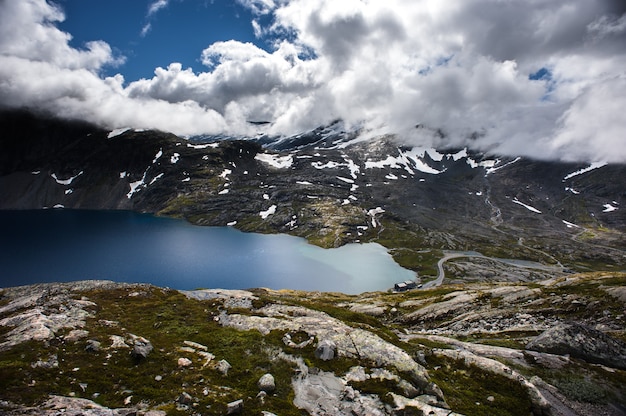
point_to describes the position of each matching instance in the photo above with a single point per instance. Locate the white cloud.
(457, 67)
(155, 6)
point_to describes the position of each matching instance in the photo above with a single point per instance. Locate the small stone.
(223, 366)
(326, 350)
(142, 348)
(185, 398)
(184, 362)
(128, 400)
(491, 399)
(261, 396)
(158, 378)
(266, 383)
(76, 334)
(235, 407)
(92, 345)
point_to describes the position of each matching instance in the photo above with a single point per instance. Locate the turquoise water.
(67, 245)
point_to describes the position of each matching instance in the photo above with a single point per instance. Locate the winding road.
(456, 254)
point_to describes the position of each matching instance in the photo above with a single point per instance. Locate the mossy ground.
(168, 318)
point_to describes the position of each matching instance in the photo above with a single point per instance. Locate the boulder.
(142, 348)
(235, 407)
(266, 383)
(326, 350)
(581, 342)
(185, 398)
(184, 362)
(92, 345)
(223, 366)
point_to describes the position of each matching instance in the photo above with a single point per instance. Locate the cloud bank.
(540, 78)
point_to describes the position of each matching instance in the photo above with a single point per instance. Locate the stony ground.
(550, 347)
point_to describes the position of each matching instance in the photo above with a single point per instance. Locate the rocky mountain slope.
(331, 187)
(555, 347)
(521, 310)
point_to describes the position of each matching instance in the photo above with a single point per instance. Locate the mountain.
(332, 187)
(521, 309)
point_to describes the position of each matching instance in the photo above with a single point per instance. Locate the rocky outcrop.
(349, 341)
(215, 347)
(581, 342)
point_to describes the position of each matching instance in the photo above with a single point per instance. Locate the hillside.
(331, 187)
(556, 347)
(521, 308)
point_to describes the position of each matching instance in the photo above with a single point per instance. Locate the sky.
(538, 78)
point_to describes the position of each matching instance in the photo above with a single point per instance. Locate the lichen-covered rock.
(223, 366)
(266, 383)
(234, 408)
(581, 342)
(326, 350)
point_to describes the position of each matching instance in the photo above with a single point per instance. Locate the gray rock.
(266, 383)
(142, 348)
(235, 407)
(92, 345)
(223, 366)
(408, 389)
(185, 398)
(75, 335)
(51, 362)
(326, 350)
(581, 342)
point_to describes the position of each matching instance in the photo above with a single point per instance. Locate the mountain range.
(329, 185)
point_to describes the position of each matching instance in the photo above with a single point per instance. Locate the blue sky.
(544, 79)
(178, 32)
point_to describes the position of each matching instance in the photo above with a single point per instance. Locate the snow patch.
(65, 181)
(570, 224)
(157, 156)
(203, 146)
(372, 213)
(609, 208)
(270, 211)
(122, 175)
(175, 158)
(279, 162)
(328, 165)
(223, 192)
(572, 190)
(303, 183)
(346, 180)
(68, 191)
(528, 207)
(156, 178)
(117, 132)
(224, 175)
(591, 167)
(232, 223)
(495, 168)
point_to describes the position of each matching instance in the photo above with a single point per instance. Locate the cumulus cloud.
(541, 78)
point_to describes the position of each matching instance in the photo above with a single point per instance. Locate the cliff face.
(101, 348)
(329, 187)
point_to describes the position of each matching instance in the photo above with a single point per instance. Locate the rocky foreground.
(553, 347)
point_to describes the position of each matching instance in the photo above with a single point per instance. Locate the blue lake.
(67, 245)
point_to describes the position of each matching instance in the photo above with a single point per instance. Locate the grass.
(467, 388)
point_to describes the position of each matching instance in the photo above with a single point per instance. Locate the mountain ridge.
(327, 187)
